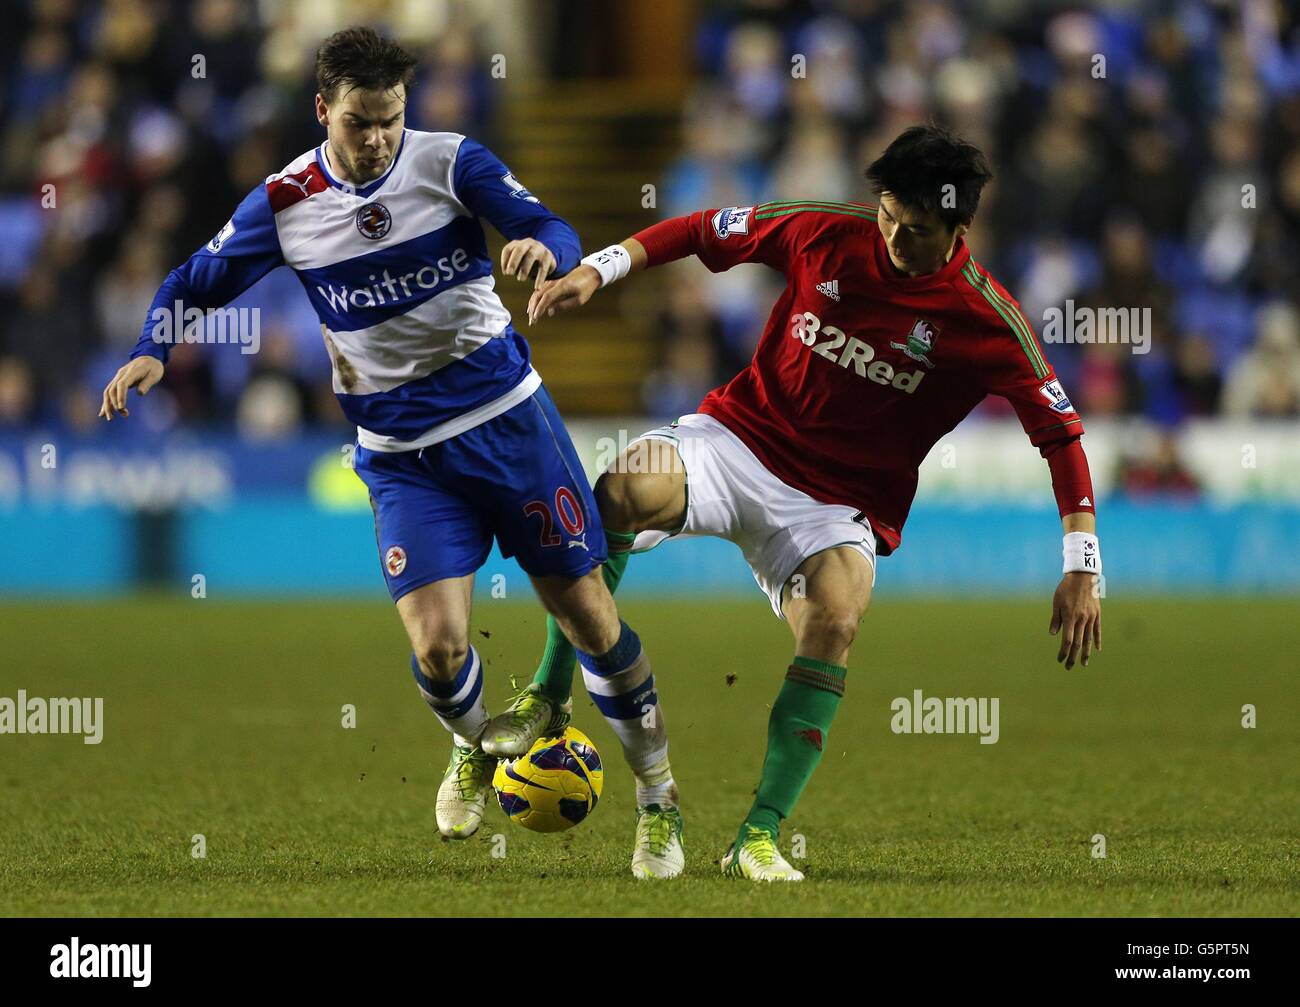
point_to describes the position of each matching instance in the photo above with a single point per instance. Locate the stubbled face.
(918, 242)
(364, 129)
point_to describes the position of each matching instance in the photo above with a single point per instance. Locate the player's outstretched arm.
(242, 252)
(594, 272)
(718, 238)
(1076, 606)
(142, 373)
(1016, 369)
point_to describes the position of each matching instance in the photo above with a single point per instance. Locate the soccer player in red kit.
(886, 336)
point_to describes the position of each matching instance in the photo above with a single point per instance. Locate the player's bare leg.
(581, 611)
(450, 676)
(644, 489)
(632, 496)
(584, 609)
(436, 617)
(823, 602)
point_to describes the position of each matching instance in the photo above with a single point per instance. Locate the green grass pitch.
(224, 719)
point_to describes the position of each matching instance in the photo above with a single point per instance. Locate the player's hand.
(520, 258)
(1076, 615)
(572, 291)
(142, 373)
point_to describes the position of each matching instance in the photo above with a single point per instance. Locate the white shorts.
(731, 495)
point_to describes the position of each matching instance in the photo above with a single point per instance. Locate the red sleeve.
(1071, 479)
(667, 240)
(724, 237)
(1012, 364)
(1015, 368)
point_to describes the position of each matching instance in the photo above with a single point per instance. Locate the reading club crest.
(374, 220)
(395, 560)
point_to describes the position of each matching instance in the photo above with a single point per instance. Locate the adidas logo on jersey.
(831, 288)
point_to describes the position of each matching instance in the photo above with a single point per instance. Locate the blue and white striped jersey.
(399, 274)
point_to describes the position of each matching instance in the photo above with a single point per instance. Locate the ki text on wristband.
(612, 263)
(1082, 552)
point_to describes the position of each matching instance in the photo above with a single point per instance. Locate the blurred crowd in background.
(1146, 154)
(1172, 182)
(105, 102)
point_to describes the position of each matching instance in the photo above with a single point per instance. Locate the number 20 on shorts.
(566, 508)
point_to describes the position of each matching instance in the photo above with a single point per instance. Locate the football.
(554, 785)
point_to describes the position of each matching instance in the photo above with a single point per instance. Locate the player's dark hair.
(360, 57)
(921, 161)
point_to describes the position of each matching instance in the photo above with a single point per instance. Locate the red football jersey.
(861, 369)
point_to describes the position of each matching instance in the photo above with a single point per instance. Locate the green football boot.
(658, 849)
(529, 716)
(757, 858)
(463, 793)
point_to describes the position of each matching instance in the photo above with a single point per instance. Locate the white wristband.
(612, 263)
(1082, 552)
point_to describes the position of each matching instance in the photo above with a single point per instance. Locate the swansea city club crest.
(920, 341)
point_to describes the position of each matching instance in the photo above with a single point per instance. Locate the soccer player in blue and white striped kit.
(457, 439)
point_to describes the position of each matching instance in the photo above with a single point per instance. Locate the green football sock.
(796, 733)
(554, 675)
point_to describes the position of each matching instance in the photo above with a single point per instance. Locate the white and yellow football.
(554, 785)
